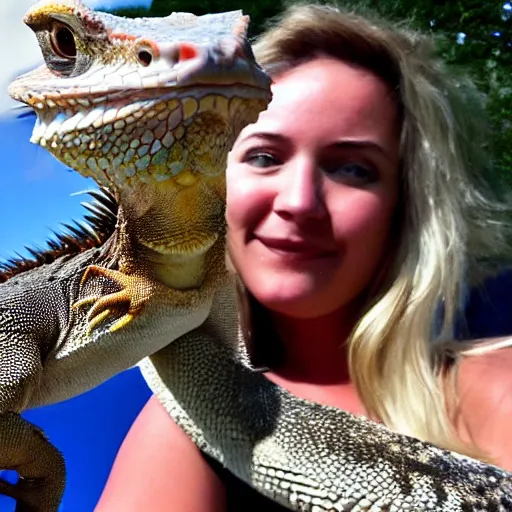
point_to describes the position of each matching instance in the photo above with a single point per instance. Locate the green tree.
(475, 37)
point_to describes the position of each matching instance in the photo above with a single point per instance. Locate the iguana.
(149, 108)
(304, 455)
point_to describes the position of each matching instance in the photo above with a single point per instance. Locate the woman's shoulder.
(158, 468)
(157, 465)
(485, 403)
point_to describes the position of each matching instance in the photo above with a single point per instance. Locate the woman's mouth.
(294, 248)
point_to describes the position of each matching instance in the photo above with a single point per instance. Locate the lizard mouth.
(151, 135)
(75, 120)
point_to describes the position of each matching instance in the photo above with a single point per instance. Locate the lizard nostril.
(186, 52)
(145, 57)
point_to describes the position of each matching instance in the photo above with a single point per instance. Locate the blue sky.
(37, 188)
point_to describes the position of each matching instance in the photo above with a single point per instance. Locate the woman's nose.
(300, 193)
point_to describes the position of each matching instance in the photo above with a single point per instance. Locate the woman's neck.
(315, 348)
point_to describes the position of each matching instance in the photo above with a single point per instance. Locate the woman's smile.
(294, 249)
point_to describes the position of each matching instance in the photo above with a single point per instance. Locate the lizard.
(306, 456)
(149, 109)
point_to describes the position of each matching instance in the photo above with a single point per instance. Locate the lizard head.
(148, 104)
(125, 100)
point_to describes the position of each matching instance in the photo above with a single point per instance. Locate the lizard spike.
(63, 238)
(104, 205)
(95, 225)
(76, 230)
(98, 210)
(86, 227)
(52, 244)
(102, 195)
(78, 237)
(35, 252)
(91, 219)
(105, 202)
(88, 230)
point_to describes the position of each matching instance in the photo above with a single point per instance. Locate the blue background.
(89, 430)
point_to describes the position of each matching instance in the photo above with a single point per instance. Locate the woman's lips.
(294, 248)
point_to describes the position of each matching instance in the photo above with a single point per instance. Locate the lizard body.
(148, 108)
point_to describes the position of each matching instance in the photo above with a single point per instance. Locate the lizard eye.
(63, 41)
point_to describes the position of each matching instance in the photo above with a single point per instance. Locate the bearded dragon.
(148, 108)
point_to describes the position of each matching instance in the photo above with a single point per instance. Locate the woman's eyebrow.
(270, 136)
(365, 144)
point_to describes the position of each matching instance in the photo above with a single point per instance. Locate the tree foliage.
(475, 37)
(471, 35)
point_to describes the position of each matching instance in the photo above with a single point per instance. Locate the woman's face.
(312, 187)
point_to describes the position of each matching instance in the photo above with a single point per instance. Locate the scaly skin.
(149, 109)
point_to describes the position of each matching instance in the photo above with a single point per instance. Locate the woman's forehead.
(330, 96)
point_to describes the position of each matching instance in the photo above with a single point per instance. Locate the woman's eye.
(261, 160)
(353, 172)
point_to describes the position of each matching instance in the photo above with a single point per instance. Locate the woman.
(353, 209)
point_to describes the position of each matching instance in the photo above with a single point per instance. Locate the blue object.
(488, 310)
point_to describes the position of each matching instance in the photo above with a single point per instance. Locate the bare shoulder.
(158, 468)
(485, 393)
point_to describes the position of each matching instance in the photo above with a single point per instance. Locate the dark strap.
(239, 495)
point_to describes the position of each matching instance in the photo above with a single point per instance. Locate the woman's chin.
(300, 309)
(297, 303)
(304, 295)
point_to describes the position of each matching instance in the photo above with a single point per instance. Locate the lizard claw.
(135, 292)
(94, 320)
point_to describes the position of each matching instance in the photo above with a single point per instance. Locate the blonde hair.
(446, 219)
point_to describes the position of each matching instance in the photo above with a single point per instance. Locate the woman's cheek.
(362, 215)
(248, 202)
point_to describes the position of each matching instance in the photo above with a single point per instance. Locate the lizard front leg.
(40, 465)
(130, 294)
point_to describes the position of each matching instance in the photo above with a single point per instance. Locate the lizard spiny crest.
(94, 232)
